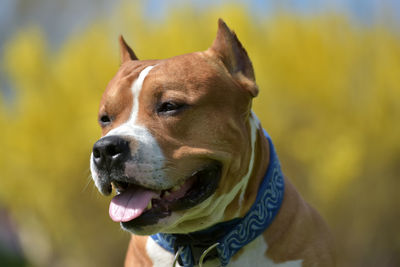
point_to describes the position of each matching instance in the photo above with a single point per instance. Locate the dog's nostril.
(113, 150)
(96, 153)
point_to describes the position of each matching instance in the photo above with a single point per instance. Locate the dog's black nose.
(110, 151)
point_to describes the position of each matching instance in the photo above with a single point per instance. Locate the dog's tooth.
(167, 193)
(149, 205)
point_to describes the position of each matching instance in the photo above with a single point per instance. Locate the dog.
(198, 180)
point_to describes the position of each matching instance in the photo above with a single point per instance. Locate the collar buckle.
(199, 259)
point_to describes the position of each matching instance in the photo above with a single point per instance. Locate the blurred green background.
(329, 78)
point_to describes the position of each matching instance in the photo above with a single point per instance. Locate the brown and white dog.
(184, 153)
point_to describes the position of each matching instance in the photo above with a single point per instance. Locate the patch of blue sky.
(362, 11)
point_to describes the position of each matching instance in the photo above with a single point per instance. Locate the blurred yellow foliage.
(329, 96)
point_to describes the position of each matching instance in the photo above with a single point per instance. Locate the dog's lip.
(121, 186)
(168, 195)
(132, 200)
(184, 195)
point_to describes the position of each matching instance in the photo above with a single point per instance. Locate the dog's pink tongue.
(130, 204)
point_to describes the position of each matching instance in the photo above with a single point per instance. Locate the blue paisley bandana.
(238, 232)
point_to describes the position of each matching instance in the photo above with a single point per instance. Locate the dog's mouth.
(136, 206)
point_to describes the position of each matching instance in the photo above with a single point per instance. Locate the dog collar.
(229, 237)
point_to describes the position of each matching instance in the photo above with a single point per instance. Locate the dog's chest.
(253, 255)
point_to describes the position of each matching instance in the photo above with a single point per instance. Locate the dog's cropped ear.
(126, 52)
(230, 51)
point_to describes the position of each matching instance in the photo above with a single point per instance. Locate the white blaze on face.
(147, 168)
(131, 122)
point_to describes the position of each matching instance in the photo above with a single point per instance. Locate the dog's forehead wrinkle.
(176, 88)
(134, 67)
(124, 78)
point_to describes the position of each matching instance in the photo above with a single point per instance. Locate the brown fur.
(299, 232)
(136, 255)
(218, 86)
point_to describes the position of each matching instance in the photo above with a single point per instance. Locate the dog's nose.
(110, 151)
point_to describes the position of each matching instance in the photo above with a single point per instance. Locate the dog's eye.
(169, 108)
(104, 120)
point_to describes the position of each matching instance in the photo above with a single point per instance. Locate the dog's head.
(178, 137)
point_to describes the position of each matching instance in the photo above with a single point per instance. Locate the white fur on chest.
(158, 255)
(253, 255)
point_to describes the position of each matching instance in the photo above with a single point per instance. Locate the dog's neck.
(257, 170)
(228, 237)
